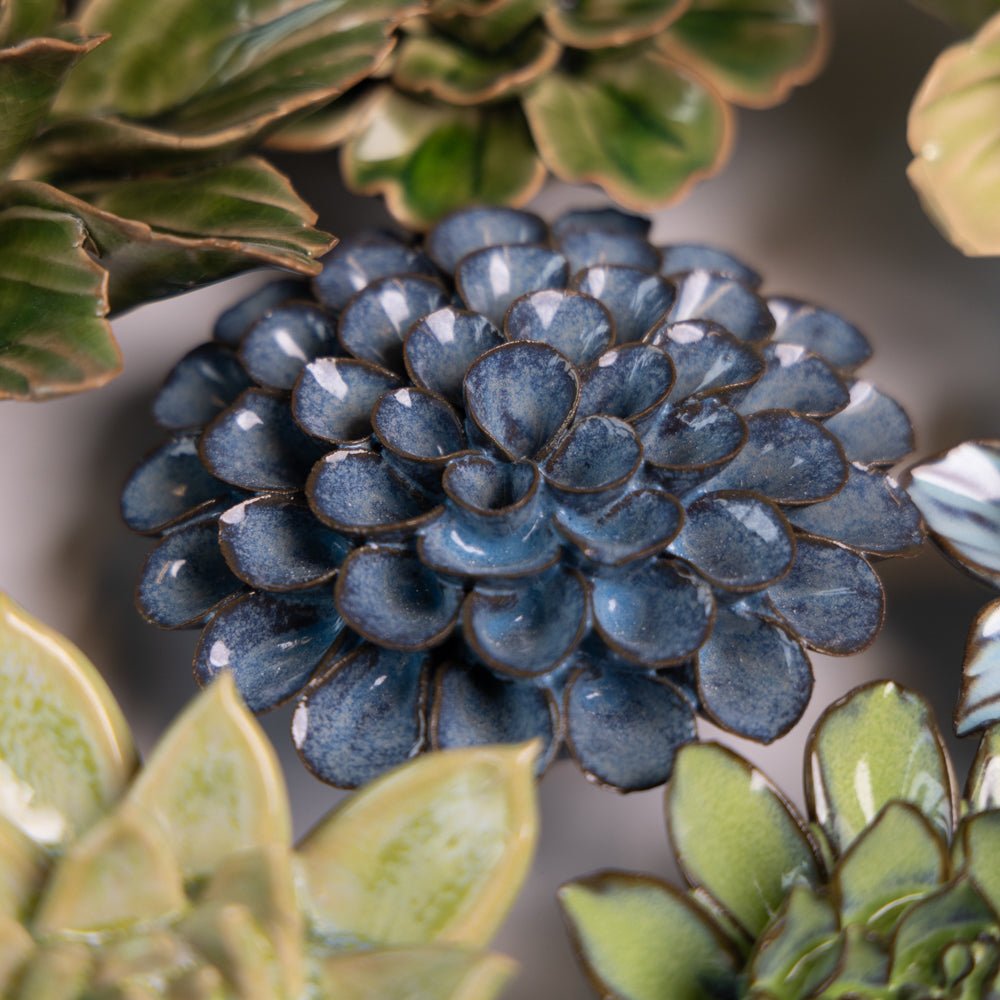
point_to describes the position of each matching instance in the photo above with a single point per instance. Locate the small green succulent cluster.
(891, 892)
(180, 882)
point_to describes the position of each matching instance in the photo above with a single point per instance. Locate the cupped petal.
(473, 229)
(652, 615)
(506, 492)
(271, 643)
(419, 425)
(202, 384)
(440, 348)
(706, 295)
(275, 543)
(528, 628)
(374, 323)
(873, 428)
(574, 324)
(612, 221)
(595, 455)
(820, 331)
(282, 342)
(979, 705)
(362, 715)
(185, 577)
(591, 248)
(333, 398)
(624, 728)
(795, 380)
(736, 541)
(694, 436)
(831, 598)
(234, 322)
(388, 596)
(679, 258)
(256, 445)
(489, 280)
(754, 679)
(635, 298)
(627, 382)
(521, 396)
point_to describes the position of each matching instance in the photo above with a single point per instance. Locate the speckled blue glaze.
(234, 322)
(521, 481)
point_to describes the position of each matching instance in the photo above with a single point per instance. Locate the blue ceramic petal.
(275, 543)
(362, 716)
(271, 643)
(635, 298)
(591, 248)
(388, 596)
(356, 262)
(416, 424)
(682, 257)
(358, 492)
(472, 229)
(873, 428)
(375, 322)
(871, 513)
(333, 398)
(787, 458)
(203, 383)
(473, 707)
(820, 331)
(795, 380)
(185, 577)
(640, 524)
(574, 324)
(490, 280)
(706, 295)
(281, 343)
(521, 396)
(737, 541)
(505, 492)
(256, 445)
(604, 220)
(627, 382)
(706, 358)
(753, 678)
(526, 629)
(624, 728)
(169, 486)
(652, 614)
(440, 347)
(697, 435)
(237, 319)
(595, 455)
(979, 705)
(831, 598)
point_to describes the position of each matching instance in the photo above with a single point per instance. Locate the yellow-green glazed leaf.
(603, 24)
(981, 838)
(23, 866)
(66, 753)
(896, 861)
(157, 951)
(878, 744)
(653, 128)
(640, 939)
(59, 971)
(434, 851)
(16, 946)
(437, 972)
(198, 984)
(954, 135)
(752, 51)
(213, 783)
(983, 789)
(735, 835)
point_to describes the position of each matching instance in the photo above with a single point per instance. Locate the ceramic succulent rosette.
(517, 482)
(891, 891)
(958, 494)
(482, 98)
(179, 881)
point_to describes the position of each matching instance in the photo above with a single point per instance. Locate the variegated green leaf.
(979, 705)
(983, 789)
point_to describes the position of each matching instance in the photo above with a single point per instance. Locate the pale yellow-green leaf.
(158, 951)
(58, 971)
(198, 984)
(23, 865)
(16, 946)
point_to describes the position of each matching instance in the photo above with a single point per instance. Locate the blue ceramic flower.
(519, 481)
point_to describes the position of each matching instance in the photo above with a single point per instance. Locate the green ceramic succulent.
(179, 881)
(483, 97)
(891, 892)
(124, 174)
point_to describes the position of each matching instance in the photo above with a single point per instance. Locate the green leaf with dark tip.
(21, 19)
(653, 128)
(861, 969)
(752, 51)
(743, 843)
(983, 789)
(899, 859)
(643, 940)
(429, 159)
(980, 835)
(600, 24)
(878, 744)
(488, 26)
(965, 14)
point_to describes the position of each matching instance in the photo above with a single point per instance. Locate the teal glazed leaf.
(979, 705)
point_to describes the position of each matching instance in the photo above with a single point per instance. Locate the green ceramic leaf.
(652, 128)
(896, 861)
(432, 852)
(66, 753)
(979, 704)
(440, 973)
(966, 14)
(878, 744)
(861, 970)
(21, 19)
(743, 843)
(23, 866)
(485, 24)
(602, 24)
(752, 51)
(983, 789)
(16, 946)
(981, 839)
(213, 784)
(58, 971)
(954, 135)
(329, 125)
(430, 159)
(642, 940)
